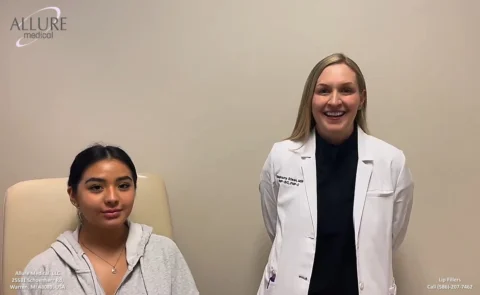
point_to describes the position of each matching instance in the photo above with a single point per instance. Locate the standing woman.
(336, 201)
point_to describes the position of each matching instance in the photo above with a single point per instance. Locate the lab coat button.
(361, 285)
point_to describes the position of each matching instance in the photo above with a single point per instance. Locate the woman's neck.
(103, 239)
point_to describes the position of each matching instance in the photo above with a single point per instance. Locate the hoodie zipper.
(129, 270)
(96, 284)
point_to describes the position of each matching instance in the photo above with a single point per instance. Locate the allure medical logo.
(44, 23)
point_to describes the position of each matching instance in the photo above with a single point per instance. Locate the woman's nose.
(111, 195)
(335, 99)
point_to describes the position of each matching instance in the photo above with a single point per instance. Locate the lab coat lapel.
(364, 172)
(309, 170)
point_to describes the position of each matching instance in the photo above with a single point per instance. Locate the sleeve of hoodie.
(182, 278)
(34, 270)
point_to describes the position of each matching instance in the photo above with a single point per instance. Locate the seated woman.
(107, 253)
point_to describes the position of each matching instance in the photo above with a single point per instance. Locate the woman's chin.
(111, 223)
(334, 126)
(341, 128)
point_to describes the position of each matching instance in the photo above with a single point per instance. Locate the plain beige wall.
(198, 91)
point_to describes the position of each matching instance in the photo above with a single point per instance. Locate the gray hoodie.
(155, 266)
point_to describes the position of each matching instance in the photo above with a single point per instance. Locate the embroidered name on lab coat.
(289, 180)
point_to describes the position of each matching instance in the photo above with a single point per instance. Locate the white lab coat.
(382, 205)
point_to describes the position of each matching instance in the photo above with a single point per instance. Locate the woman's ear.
(363, 99)
(72, 196)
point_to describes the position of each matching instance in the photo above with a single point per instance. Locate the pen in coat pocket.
(272, 279)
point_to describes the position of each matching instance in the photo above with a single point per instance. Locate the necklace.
(114, 267)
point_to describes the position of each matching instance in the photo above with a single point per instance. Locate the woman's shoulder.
(41, 263)
(380, 148)
(161, 240)
(287, 145)
(160, 244)
(162, 248)
(387, 155)
(151, 241)
(284, 148)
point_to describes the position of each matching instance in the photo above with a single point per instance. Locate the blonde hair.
(305, 121)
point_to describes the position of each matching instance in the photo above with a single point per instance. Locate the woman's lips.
(112, 214)
(334, 116)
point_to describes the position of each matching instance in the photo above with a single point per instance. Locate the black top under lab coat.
(335, 268)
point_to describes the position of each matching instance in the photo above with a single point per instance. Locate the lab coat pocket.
(270, 284)
(378, 207)
(270, 281)
(379, 193)
(270, 274)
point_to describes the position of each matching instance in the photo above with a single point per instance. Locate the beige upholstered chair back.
(37, 211)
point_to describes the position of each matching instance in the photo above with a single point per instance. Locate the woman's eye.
(95, 188)
(323, 91)
(347, 90)
(124, 186)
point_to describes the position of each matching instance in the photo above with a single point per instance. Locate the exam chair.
(37, 211)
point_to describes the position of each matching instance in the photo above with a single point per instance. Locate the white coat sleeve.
(268, 194)
(403, 203)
